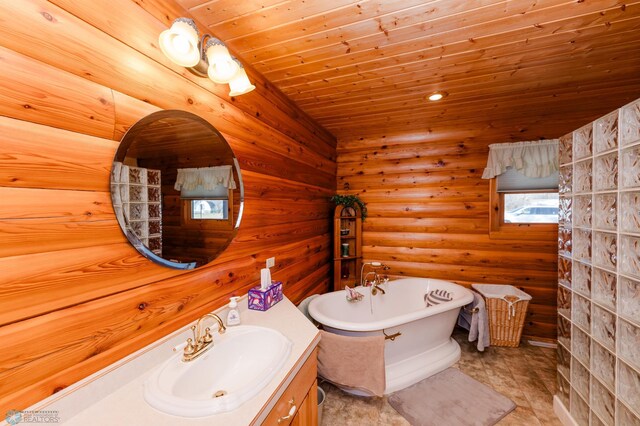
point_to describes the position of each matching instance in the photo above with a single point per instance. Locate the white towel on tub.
(476, 322)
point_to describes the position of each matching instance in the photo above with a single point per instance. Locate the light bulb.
(437, 96)
(180, 43)
(222, 67)
(240, 83)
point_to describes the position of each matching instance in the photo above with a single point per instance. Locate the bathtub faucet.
(376, 281)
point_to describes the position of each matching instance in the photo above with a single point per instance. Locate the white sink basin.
(241, 362)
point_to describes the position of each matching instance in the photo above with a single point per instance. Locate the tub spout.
(376, 281)
(375, 289)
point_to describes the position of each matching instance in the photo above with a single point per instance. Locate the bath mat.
(451, 398)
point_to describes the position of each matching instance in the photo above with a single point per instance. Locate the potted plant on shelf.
(350, 201)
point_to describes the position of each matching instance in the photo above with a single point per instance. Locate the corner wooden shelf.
(346, 269)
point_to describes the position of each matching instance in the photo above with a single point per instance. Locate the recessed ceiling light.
(437, 96)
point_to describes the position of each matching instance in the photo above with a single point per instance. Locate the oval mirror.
(176, 189)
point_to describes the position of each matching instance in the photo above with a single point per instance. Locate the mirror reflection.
(176, 189)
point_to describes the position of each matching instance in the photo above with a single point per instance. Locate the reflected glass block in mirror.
(603, 365)
(605, 211)
(602, 402)
(139, 228)
(629, 305)
(564, 331)
(564, 241)
(629, 344)
(564, 271)
(115, 191)
(630, 253)
(630, 210)
(137, 176)
(583, 142)
(138, 212)
(154, 210)
(582, 245)
(154, 195)
(564, 361)
(628, 385)
(580, 345)
(604, 288)
(605, 250)
(630, 167)
(604, 327)
(153, 177)
(579, 409)
(580, 379)
(630, 123)
(606, 171)
(137, 193)
(582, 211)
(565, 180)
(155, 227)
(123, 192)
(155, 245)
(564, 301)
(565, 149)
(565, 211)
(582, 278)
(626, 417)
(605, 133)
(582, 173)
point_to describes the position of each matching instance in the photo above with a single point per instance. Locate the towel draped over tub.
(353, 362)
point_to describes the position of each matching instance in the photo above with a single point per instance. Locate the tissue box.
(262, 300)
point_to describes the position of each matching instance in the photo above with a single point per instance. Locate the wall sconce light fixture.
(183, 46)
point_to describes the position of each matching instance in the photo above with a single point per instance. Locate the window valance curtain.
(534, 159)
(206, 177)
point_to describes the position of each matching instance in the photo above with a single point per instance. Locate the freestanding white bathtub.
(423, 348)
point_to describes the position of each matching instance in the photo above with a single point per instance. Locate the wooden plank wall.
(429, 217)
(74, 295)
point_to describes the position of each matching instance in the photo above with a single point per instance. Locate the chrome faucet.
(376, 280)
(201, 341)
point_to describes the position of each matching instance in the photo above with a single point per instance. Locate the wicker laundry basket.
(506, 309)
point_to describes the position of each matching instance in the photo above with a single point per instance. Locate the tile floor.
(526, 374)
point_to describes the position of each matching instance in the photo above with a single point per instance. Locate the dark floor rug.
(451, 398)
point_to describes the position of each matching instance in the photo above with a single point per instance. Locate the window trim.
(498, 229)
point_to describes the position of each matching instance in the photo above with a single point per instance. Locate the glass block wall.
(599, 270)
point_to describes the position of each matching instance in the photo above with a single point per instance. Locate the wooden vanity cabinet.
(302, 393)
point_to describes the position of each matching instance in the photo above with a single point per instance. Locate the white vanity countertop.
(116, 396)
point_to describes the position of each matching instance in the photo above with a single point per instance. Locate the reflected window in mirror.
(209, 210)
(176, 189)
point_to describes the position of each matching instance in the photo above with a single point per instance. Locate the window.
(530, 207)
(520, 203)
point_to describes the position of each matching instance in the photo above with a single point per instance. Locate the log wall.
(74, 295)
(428, 216)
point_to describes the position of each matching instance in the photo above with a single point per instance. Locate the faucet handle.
(207, 338)
(190, 348)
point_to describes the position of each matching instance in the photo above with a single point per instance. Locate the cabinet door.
(296, 395)
(308, 411)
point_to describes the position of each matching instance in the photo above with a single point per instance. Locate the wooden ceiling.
(519, 68)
